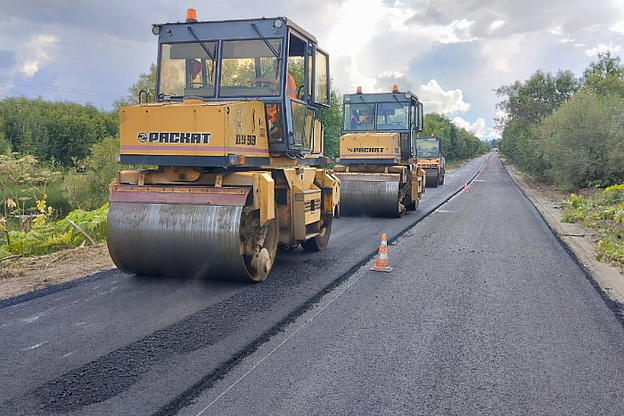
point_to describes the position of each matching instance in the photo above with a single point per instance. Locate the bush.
(24, 183)
(86, 186)
(614, 193)
(577, 141)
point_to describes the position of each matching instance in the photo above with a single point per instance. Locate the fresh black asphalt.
(485, 313)
(119, 344)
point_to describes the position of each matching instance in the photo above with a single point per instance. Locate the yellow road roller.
(235, 142)
(430, 159)
(377, 167)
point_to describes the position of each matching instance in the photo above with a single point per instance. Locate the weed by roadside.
(78, 228)
(604, 213)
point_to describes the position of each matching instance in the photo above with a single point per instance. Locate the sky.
(452, 54)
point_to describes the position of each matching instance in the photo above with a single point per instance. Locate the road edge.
(606, 279)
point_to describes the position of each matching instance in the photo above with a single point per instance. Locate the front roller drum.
(367, 195)
(189, 240)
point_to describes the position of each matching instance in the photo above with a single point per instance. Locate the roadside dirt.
(579, 239)
(32, 273)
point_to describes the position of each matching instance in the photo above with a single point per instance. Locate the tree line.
(567, 130)
(457, 143)
(61, 132)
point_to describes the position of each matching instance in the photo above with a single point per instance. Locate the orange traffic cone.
(382, 259)
(466, 188)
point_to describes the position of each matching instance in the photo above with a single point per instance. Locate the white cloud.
(618, 27)
(500, 120)
(479, 128)
(461, 123)
(556, 31)
(459, 31)
(29, 68)
(496, 24)
(36, 54)
(387, 79)
(603, 48)
(501, 53)
(391, 74)
(437, 100)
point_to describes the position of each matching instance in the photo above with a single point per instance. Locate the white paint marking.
(32, 319)
(68, 354)
(34, 346)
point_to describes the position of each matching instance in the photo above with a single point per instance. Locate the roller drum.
(367, 196)
(432, 179)
(200, 241)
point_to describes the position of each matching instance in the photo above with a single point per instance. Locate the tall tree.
(527, 104)
(606, 76)
(538, 96)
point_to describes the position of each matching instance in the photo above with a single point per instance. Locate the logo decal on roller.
(366, 150)
(177, 138)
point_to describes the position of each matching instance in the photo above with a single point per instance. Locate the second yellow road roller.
(236, 144)
(430, 159)
(377, 166)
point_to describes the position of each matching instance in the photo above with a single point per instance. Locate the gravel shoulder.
(32, 273)
(580, 241)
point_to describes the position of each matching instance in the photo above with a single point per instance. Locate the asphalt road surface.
(484, 313)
